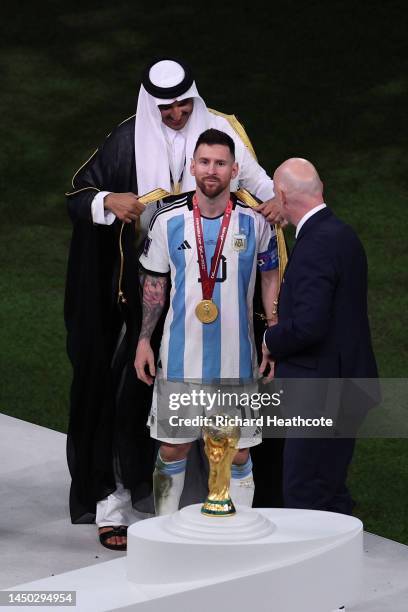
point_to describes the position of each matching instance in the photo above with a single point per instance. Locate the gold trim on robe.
(238, 128)
(249, 200)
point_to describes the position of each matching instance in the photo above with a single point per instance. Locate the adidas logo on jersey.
(184, 245)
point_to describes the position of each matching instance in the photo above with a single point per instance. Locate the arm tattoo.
(142, 278)
(154, 297)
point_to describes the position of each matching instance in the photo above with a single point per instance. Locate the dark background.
(322, 80)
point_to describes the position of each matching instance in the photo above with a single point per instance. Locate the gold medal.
(206, 311)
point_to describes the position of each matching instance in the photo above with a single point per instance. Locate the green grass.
(378, 483)
(326, 81)
(35, 382)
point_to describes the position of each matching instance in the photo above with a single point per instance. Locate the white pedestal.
(43, 543)
(274, 559)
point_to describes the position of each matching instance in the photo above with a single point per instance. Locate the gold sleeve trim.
(83, 166)
(246, 197)
(153, 196)
(70, 193)
(94, 153)
(249, 200)
(282, 251)
(124, 121)
(239, 129)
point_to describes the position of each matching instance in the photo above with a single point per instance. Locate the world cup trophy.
(220, 447)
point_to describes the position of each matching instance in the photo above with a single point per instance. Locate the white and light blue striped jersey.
(224, 349)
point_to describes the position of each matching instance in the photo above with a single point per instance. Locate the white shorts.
(180, 421)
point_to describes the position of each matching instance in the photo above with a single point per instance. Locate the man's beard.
(211, 190)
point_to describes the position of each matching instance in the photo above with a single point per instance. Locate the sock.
(168, 483)
(242, 485)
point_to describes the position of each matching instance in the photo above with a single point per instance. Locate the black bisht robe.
(109, 406)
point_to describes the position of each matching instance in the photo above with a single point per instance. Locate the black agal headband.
(173, 70)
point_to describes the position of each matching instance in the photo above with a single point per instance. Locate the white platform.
(37, 539)
(299, 559)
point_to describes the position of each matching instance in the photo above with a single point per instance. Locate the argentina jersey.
(224, 349)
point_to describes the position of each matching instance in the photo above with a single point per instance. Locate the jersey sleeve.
(267, 248)
(155, 256)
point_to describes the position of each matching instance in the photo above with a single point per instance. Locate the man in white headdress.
(110, 453)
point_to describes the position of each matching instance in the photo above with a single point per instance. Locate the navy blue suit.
(323, 332)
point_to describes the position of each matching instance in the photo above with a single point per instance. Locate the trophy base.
(215, 507)
(296, 559)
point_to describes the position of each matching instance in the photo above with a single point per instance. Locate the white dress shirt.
(100, 215)
(176, 150)
(307, 216)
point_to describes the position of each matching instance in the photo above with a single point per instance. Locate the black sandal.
(120, 531)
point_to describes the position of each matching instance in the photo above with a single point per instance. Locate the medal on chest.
(206, 311)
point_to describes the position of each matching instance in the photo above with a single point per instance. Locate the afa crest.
(239, 242)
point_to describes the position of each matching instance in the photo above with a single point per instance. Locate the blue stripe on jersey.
(245, 263)
(212, 331)
(175, 237)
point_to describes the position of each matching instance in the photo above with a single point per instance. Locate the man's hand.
(271, 211)
(267, 360)
(145, 357)
(125, 206)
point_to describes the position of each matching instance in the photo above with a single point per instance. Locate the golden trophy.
(220, 447)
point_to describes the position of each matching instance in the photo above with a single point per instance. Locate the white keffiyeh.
(151, 145)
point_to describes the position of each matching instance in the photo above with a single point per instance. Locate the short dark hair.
(216, 137)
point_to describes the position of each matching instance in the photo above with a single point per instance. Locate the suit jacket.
(323, 329)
